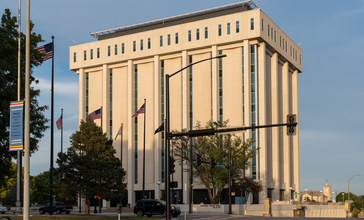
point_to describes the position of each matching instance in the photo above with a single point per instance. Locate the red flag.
(59, 123)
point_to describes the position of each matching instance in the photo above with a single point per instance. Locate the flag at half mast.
(140, 111)
(46, 50)
(95, 114)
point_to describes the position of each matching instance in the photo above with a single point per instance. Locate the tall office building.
(256, 84)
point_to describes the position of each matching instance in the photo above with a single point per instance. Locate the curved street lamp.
(349, 187)
(167, 133)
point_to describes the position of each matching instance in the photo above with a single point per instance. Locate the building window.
(237, 27)
(116, 49)
(280, 41)
(108, 50)
(252, 24)
(228, 28)
(206, 32)
(135, 124)
(134, 46)
(168, 39)
(87, 81)
(197, 34)
(242, 69)
(271, 33)
(91, 54)
(74, 57)
(176, 38)
(122, 48)
(253, 104)
(286, 46)
(220, 89)
(98, 52)
(274, 36)
(141, 44)
(161, 41)
(84, 54)
(189, 35)
(219, 30)
(268, 30)
(296, 55)
(110, 92)
(262, 24)
(149, 43)
(162, 118)
(293, 53)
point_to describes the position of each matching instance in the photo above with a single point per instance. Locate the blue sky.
(331, 93)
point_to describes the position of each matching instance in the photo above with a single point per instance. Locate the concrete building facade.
(256, 84)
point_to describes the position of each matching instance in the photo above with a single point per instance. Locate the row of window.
(273, 33)
(169, 40)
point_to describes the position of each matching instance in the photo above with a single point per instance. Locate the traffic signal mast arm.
(207, 132)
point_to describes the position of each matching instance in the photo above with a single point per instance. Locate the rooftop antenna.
(115, 22)
(74, 42)
(258, 3)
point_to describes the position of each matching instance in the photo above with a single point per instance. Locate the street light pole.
(348, 185)
(167, 134)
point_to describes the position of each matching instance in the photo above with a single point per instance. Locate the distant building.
(256, 84)
(317, 196)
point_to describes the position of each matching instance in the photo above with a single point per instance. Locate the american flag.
(59, 123)
(47, 50)
(140, 111)
(96, 114)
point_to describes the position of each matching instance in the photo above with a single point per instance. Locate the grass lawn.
(72, 217)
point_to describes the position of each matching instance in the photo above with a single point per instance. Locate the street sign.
(221, 165)
(296, 193)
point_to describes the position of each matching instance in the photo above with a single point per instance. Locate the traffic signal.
(291, 129)
(212, 163)
(198, 159)
(171, 165)
(233, 184)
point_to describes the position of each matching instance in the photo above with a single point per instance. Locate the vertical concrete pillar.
(81, 95)
(130, 169)
(262, 90)
(296, 162)
(287, 160)
(185, 112)
(105, 99)
(275, 130)
(157, 123)
(215, 84)
(247, 96)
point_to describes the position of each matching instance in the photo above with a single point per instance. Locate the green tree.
(9, 181)
(216, 146)
(39, 190)
(9, 89)
(247, 185)
(89, 166)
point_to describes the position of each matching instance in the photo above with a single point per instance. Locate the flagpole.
(52, 127)
(121, 145)
(62, 131)
(145, 113)
(100, 177)
(26, 199)
(19, 155)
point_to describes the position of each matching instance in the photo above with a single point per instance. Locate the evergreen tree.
(89, 167)
(9, 89)
(215, 146)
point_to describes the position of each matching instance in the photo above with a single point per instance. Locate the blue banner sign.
(16, 126)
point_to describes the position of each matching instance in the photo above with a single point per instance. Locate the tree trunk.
(87, 207)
